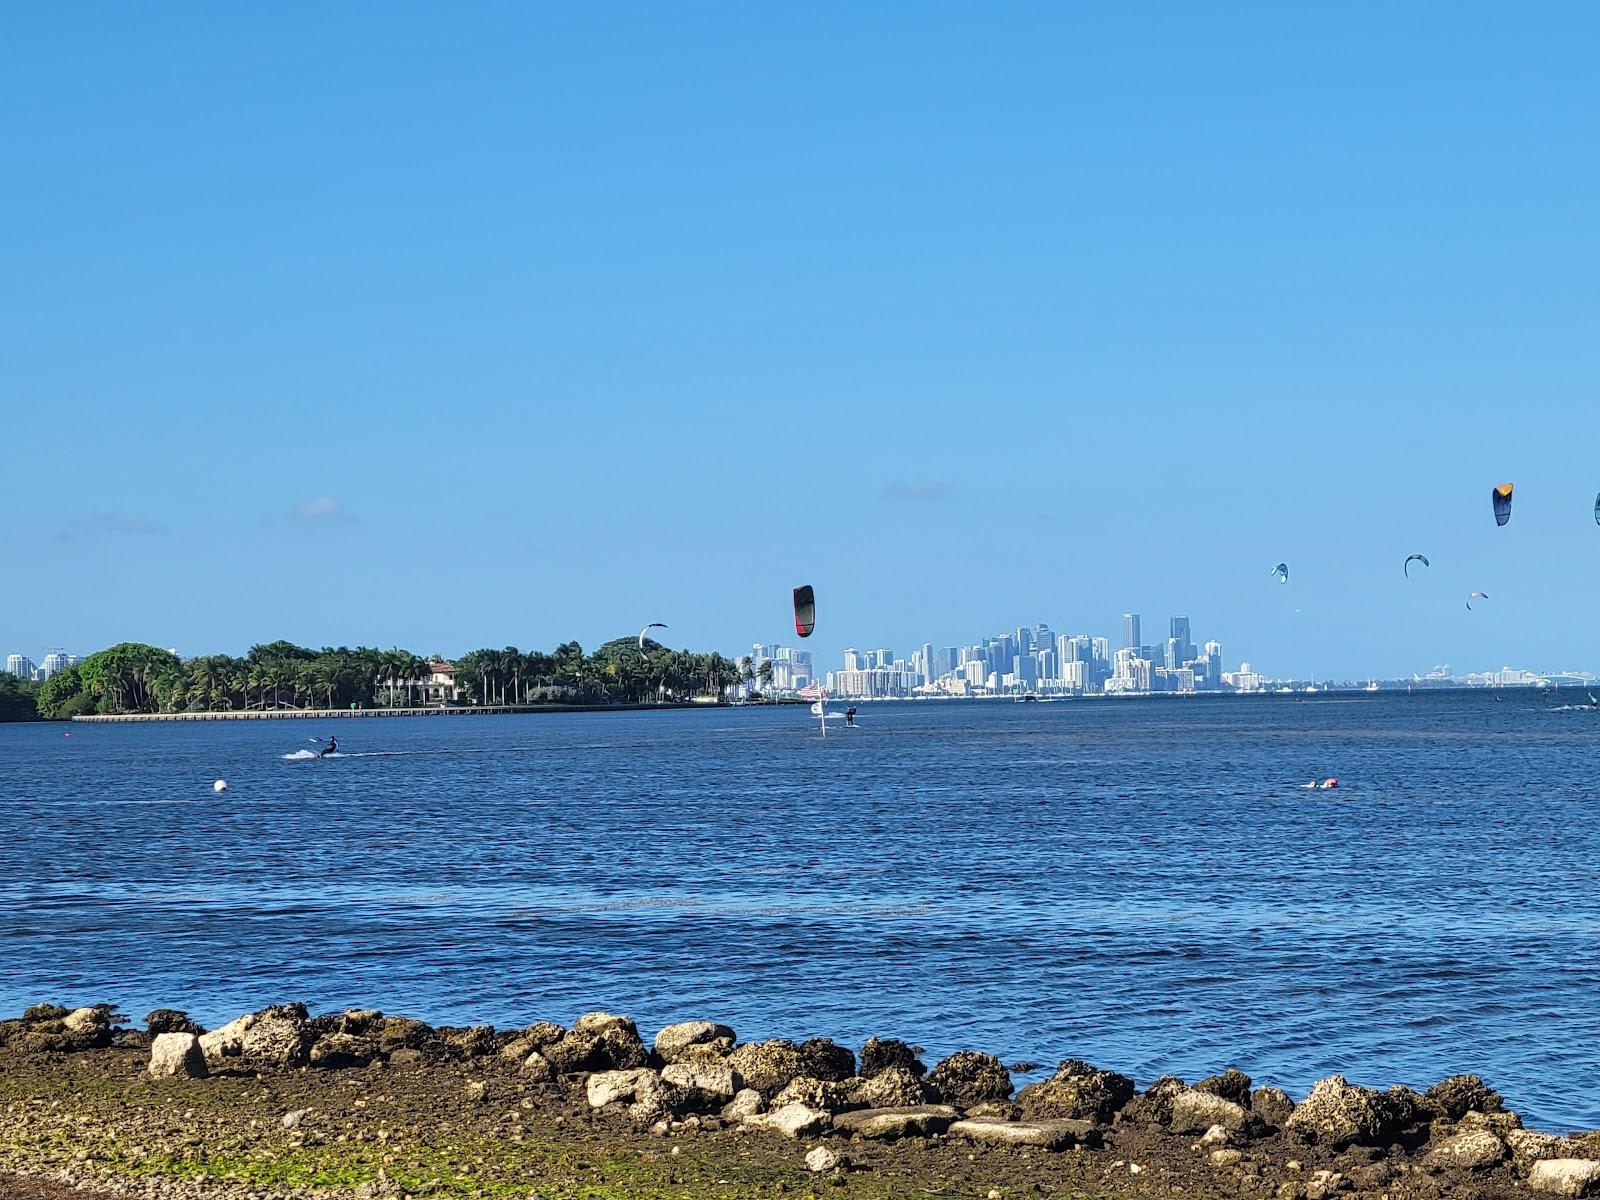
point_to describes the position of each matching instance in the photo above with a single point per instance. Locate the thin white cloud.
(923, 492)
(108, 525)
(320, 508)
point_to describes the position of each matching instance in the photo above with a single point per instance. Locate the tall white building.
(55, 662)
(19, 665)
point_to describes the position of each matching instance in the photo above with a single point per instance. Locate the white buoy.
(220, 785)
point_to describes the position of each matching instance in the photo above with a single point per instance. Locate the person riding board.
(333, 745)
(850, 715)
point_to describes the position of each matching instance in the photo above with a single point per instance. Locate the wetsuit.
(333, 744)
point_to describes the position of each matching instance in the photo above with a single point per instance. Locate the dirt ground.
(96, 1121)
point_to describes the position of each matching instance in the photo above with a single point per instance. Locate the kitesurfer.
(850, 715)
(331, 747)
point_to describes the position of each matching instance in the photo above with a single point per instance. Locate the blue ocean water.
(1141, 883)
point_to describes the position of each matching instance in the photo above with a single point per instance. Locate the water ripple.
(1142, 884)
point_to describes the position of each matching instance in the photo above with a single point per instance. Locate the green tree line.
(17, 702)
(135, 678)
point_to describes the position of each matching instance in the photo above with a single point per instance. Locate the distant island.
(133, 678)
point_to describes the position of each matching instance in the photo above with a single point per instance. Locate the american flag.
(812, 692)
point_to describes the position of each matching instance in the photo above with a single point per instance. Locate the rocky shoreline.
(280, 1103)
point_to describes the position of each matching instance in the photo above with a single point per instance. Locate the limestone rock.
(1453, 1098)
(887, 1124)
(170, 1020)
(821, 1059)
(655, 1099)
(596, 1023)
(1498, 1123)
(1475, 1150)
(1272, 1105)
(767, 1066)
(82, 1020)
(883, 1054)
(477, 1041)
(714, 1084)
(1233, 1084)
(1338, 1114)
(359, 1022)
(1060, 1134)
(276, 1038)
(49, 1028)
(826, 1094)
(597, 1042)
(534, 1038)
(892, 1087)
(1528, 1147)
(968, 1077)
(792, 1120)
(1565, 1176)
(1402, 1108)
(1196, 1112)
(1226, 1158)
(537, 1068)
(1324, 1184)
(177, 1054)
(1078, 1091)
(820, 1159)
(343, 1050)
(675, 1039)
(404, 1033)
(611, 1087)
(1154, 1105)
(747, 1103)
(543, 1033)
(517, 1049)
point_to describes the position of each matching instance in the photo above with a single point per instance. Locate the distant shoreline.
(298, 714)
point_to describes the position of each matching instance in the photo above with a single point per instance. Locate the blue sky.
(386, 323)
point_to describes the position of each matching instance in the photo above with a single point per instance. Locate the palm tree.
(765, 674)
(747, 673)
(416, 673)
(511, 662)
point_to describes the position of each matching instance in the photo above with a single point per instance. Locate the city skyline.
(1104, 669)
(1046, 663)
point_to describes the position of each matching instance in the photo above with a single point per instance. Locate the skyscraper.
(1130, 630)
(57, 660)
(19, 665)
(1180, 633)
(1100, 659)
